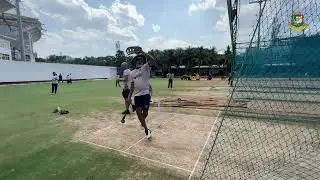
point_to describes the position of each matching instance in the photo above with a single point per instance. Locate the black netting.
(276, 76)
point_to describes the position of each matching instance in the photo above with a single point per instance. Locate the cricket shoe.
(149, 135)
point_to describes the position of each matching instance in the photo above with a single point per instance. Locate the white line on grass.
(204, 146)
(145, 136)
(158, 162)
(135, 144)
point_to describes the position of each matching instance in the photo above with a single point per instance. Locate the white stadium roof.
(30, 25)
(6, 5)
(10, 20)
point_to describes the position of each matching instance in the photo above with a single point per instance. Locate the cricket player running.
(140, 87)
(125, 87)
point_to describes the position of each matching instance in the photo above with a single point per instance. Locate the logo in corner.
(297, 22)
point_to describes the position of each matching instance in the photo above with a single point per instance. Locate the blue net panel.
(285, 58)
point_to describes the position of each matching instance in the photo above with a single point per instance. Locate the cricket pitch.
(179, 135)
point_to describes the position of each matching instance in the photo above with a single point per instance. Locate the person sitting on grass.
(140, 87)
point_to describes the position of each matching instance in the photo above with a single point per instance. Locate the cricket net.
(277, 75)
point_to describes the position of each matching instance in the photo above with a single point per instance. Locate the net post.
(158, 112)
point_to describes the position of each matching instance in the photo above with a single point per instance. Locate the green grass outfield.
(35, 145)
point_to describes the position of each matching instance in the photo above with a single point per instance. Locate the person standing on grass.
(60, 78)
(140, 87)
(170, 82)
(69, 80)
(54, 83)
(118, 80)
(125, 87)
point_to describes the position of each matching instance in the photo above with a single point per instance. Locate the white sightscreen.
(15, 71)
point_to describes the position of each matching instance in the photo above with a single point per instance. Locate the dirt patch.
(211, 95)
(203, 91)
(197, 102)
(192, 111)
(176, 144)
(92, 122)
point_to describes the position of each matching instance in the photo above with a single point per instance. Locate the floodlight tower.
(118, 46)
(23, 56)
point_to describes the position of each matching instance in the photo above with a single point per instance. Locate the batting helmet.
(141, 59)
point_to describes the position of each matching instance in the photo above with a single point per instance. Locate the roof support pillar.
(21, 36)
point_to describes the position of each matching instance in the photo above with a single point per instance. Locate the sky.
(91, 27)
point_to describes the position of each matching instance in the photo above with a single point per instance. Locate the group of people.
(55, 80)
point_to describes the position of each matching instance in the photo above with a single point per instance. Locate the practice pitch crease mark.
(151, 160)
(174, 115)
(135, 144)
(204, 146)
(158, 162)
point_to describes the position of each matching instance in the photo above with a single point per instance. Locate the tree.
(40, 59)
(189, 57)
(228, 51)
(179, 57)
(228, 56)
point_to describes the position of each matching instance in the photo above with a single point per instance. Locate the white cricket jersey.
(55, 79)
(141, 79)
(127, 72)
(170, 75)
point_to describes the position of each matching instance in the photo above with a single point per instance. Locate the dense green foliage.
(190, 57)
